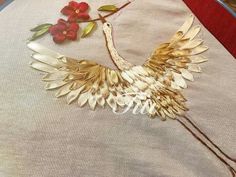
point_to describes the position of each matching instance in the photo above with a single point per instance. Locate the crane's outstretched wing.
(174, 61)
(84, 81)
(89, 82)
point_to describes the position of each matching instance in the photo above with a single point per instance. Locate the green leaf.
(108, 8)
(88, 29)
(40, 27)
(38, 34)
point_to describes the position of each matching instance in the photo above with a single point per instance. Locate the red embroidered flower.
(76, 11)
(64, 30)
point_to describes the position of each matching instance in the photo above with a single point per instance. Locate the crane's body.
(140, 80)
(160, 99)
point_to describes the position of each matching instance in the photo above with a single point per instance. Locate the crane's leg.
(203, 134)
(230, 168)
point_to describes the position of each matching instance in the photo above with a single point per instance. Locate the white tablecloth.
(41, 136)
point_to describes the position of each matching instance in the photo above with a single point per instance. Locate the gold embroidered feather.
(174, 61)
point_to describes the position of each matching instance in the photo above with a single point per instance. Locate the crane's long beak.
(102, 18)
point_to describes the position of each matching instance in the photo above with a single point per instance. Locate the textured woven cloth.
(41, 136)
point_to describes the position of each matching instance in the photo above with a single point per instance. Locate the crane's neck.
(119, 61)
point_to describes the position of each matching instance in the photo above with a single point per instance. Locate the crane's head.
(107, 27)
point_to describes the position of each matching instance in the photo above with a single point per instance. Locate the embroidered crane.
(159, 80)
(155, 86)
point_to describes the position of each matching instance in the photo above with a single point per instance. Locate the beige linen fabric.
(41, 136)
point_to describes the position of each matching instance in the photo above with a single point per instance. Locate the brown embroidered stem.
(108, 15)
(203, 134)
(230, 168)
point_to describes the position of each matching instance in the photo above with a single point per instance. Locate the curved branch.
(108, 15)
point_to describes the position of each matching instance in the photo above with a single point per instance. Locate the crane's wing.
(89, 82)
(84, 81)
(174, 61)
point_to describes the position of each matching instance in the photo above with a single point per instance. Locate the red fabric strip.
(217, 20)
